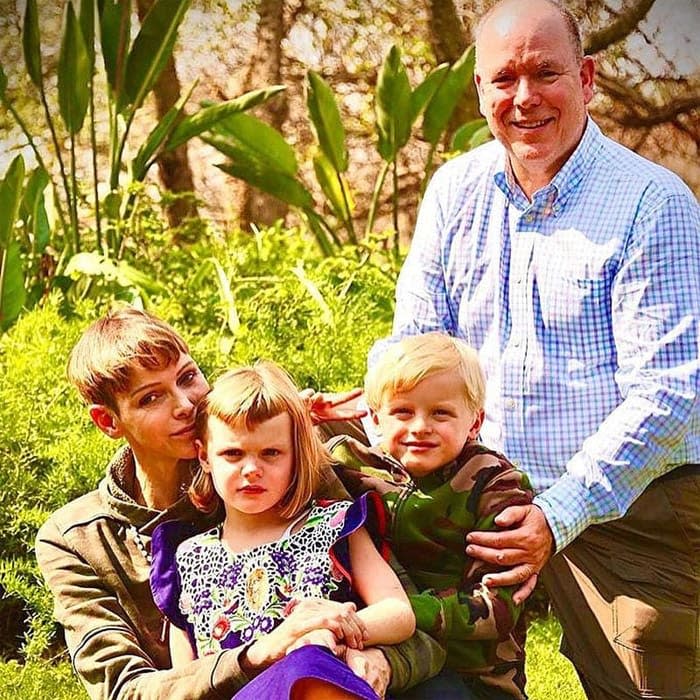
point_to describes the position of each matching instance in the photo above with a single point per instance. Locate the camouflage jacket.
(482, 629)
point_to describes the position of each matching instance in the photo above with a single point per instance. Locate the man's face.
(533, 90)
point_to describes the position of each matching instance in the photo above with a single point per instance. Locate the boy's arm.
(475, 611)
(103, 643)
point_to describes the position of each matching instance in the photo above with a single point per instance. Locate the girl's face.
(251, 468)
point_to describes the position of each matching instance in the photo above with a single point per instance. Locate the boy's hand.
(525, 546)
(327, 407)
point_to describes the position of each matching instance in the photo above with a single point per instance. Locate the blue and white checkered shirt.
(584, 306)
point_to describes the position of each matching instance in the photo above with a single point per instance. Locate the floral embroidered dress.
(225, 599)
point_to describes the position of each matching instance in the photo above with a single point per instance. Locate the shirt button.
(510, 404)
(529, 218)
(516, 462)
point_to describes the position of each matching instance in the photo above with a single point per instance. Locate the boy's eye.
(400, 412)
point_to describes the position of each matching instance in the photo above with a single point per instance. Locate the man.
(573, 266)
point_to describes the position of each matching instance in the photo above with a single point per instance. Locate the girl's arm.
(181, 651)
(388, 615)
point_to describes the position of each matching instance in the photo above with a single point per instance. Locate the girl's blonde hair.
(247, 397)
(417, 357)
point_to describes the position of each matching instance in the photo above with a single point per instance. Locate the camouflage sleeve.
(475, 611)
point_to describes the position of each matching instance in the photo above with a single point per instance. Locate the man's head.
(426, 396)
(534, 84)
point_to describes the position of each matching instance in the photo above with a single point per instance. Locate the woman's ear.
(202, 455)
(106, 420)
(476, 425)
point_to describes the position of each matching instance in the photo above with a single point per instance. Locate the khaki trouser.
(627, 595)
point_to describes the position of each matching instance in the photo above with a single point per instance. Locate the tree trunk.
(265, 68)
(173, 166)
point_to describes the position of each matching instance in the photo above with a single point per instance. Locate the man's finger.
(511, 577)
(524, 592)
(500, 557)
(511, 516)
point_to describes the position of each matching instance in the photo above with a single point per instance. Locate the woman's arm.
(181, 651)
(107, 644)
(388, 615)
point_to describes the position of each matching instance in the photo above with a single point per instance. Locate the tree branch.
(625, 23)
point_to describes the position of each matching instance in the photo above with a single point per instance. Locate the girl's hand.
(326, 407)
(309, 614)
(322, 638)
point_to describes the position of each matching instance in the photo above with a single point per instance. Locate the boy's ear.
(202, 455)
(375, 419)
(105, 420)
(476, 425)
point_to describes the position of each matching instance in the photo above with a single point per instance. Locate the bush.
(315, 316)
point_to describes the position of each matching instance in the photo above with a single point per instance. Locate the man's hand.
(371, 665)
(327, 407)
(525, 546)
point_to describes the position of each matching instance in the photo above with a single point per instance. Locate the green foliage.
(132, 68)
(259, 155)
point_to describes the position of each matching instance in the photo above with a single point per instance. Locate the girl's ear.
(105, 419)
(202, 455)
(476, 425)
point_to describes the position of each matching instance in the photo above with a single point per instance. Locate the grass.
(550, 675)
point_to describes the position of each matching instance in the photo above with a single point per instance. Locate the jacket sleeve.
(474, 611)
(418, 658)
(103, 642)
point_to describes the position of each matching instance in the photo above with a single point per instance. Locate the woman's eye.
(188, 377)
(147, 399)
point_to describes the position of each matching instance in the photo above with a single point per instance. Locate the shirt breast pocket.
(576, 309)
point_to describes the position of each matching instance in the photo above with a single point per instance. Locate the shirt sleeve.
(103, 642)
(421, 296)
(655, 322)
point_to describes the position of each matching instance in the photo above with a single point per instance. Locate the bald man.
(572, 265)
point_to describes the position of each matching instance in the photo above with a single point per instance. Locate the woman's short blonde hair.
(414, 358)
(248, 396)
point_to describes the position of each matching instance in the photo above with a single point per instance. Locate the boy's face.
(156, 413)
(251, 467)
(427, 427)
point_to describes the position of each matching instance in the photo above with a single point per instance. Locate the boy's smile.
(427, 427)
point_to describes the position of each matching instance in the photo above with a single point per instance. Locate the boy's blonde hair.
(100, 364)
(247, 397)
(417, 357)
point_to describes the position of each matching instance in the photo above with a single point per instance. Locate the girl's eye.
(271, 452)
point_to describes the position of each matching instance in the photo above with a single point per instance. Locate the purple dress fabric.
(223, 600)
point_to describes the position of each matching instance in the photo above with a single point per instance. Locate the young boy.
(426, 398)
(136, 375)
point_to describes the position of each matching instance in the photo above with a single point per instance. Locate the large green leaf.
(74, 73)
(440, 108)
(115, 34)
(10, 199)
(243, 137)
(33, 208)
(329, 180)
(422, 95)
(12, 292)
(31, 42)
(152, 47)
(278, 184)
(228, 301)
(392, 105)
(157, 138)
(209, 116)
(470, 135)
(86, 15)
(100, 266)
(325, 116)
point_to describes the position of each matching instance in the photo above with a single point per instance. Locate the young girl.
(273, 574)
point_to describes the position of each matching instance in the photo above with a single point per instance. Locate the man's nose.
(526, 93)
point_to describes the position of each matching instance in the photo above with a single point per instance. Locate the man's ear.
(105, 420)
(202, 455)
(476, 425)
(479, 92)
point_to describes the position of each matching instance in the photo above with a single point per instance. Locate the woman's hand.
(327, 407)
(309, 614)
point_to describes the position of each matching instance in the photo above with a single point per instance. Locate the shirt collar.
(564, 182)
